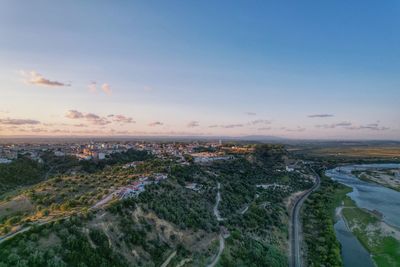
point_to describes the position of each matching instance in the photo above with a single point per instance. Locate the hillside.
(78, 219)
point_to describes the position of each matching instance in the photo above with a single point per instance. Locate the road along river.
(370, 196)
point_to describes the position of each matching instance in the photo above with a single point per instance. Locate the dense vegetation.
(322, 247)
(167, 217)
(257, 217)
(115, 158)
(20, 172)
(72, 190)
(60, 244)
(24, 171)
(183, 207)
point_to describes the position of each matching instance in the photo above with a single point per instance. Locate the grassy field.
(360, 152)
(373, 234)
(349, 153)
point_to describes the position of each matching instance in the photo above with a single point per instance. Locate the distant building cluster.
(206, 157)
(8, 153)
(82, 151)
(181, 152)
(100, 150)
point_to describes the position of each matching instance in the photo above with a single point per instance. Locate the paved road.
(295, 247)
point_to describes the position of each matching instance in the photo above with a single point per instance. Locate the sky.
(296, 69)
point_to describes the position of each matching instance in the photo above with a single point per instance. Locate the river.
(369, 196)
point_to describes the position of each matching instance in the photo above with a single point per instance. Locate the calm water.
(353, 253)
(366, 195)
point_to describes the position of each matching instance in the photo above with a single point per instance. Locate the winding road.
(295, 247)
(218, 199)
(221, 238)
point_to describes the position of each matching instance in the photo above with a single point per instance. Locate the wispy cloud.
(229, 126)
(334, 125)
(250, 113)
(121, 118)
(106, 88)
(264, 128)
(9, 121)
(370, 126)
(255, 122)
(92, 87)
(37, 79)
(351, 126)
(193, 124)
(156, 123)
(320, 115)
(297, 129)
(89, 117)
(96, 119)
(74, 114)
(80, 125)
(226, 126)
(38, 130)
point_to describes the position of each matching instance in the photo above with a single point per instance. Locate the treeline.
(130, 155)
(63, 164)
(322, 247)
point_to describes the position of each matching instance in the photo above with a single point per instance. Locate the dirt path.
(221, 238)
(167, 261)
(245, 209)
(220, 250)
(218, 199)
(25, 229)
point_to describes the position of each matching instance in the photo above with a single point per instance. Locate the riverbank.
(387, 178)
(381, 240)
(371, 212)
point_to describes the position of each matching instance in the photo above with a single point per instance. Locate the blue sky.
(200, 68)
